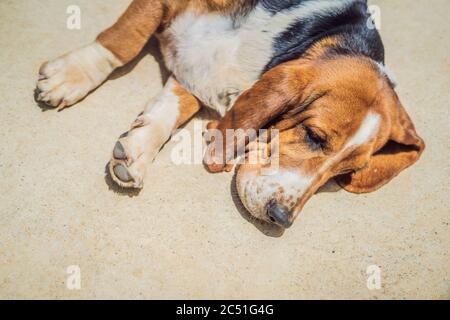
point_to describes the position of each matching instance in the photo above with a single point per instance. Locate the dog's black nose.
(279, 214)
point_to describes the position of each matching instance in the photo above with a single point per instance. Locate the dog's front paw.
(133, 153)
(68, 79)
(62, 83)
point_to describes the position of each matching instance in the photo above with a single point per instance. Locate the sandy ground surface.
(184, 235)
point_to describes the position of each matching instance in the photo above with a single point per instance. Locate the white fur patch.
(366, 131)
(164, 109)
(203, 58)
(97, 61)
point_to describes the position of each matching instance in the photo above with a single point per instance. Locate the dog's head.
(348, 124)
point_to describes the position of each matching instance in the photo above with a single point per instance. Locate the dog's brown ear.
(402, 150)
(279, 90)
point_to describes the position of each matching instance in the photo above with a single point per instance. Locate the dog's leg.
(68, 79)
(168, 111)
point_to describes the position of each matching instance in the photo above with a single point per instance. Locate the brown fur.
(188, 105)
(126, 38)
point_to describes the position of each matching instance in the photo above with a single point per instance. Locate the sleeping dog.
(313, 70)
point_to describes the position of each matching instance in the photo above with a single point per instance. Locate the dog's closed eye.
(315, 138)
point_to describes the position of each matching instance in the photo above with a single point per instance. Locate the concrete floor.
(183, 236)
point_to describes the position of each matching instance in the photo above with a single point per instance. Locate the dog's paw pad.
(131, 177)
(119, 151)
(122, 173)
(127, 167)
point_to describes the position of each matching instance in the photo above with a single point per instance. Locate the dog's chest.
(201, 53)
(217, 58)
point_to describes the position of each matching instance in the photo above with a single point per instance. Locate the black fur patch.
(350, 23)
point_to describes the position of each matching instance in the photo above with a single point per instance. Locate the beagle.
(311, 70)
